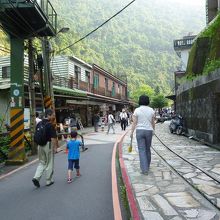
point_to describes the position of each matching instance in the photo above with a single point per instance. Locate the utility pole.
(32, 101)
(40, 76)
(48, 85)
(34, 22)
(48, 81)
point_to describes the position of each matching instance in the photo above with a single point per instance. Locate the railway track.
(207, 184)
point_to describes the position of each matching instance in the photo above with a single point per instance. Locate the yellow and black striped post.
(47, 102)
(17, 149)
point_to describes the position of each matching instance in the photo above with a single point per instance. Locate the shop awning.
(105, 99)
(67, 91)
(132, 103)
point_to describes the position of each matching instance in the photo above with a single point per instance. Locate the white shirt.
(38, 120)
(110, 119)
(123, 115)
(144, 116)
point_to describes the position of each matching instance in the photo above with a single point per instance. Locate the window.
(96, 81)
(6, 72)
(87, 76)
(113, 89)
(77, 72)
(119, 89)
(106, 84)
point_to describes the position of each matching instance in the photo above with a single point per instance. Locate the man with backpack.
(46, 138)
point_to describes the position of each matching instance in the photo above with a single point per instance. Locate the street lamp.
(63, 30)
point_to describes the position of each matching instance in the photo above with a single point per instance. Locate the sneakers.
(144, 173)
(84, 149)
(69, 181)
(78, 174)
(36, 182)
(50, 183)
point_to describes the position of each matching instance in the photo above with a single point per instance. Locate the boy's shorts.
(71, 162)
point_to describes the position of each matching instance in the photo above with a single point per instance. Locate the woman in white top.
(143, 121)
(111, 122)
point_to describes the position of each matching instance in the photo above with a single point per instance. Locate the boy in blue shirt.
(73, 147)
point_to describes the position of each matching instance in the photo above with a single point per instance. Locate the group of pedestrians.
(143, 121)
(111, 121)
(46, 151)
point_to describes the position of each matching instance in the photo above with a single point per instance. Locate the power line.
(97, 27)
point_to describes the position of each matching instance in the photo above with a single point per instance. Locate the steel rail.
(201, 192)
(187, 161)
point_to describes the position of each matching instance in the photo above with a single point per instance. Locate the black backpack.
(40, 137)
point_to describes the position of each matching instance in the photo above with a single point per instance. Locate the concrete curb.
(2, 176)
(115, 195)
(18, 169)
(130, 195)
(24, 166)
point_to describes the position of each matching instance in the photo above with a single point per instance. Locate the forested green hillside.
(138, 42)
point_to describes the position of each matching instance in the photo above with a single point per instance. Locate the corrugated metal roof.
(67, 91)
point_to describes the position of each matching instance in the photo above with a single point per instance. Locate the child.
(103, 124)
(73, 146)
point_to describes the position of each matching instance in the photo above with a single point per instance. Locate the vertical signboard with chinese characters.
(17, 150)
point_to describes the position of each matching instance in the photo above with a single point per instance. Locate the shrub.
(4, 147)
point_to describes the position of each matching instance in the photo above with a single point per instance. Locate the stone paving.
(202, 156)
(163, 194)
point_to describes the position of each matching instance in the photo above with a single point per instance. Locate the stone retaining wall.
(198, 102)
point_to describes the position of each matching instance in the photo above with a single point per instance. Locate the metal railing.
(44, 5)
(70, 83)
(184, 43)
(49, 11)
(61, 81)
(83, 86)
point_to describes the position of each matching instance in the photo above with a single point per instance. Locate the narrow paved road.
(87, 197)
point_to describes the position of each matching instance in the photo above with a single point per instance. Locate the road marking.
(115, 197)
(132, 203)
(16, 170)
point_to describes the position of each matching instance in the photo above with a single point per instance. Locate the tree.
(159, 101)
(142, 90)
(157, 90)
